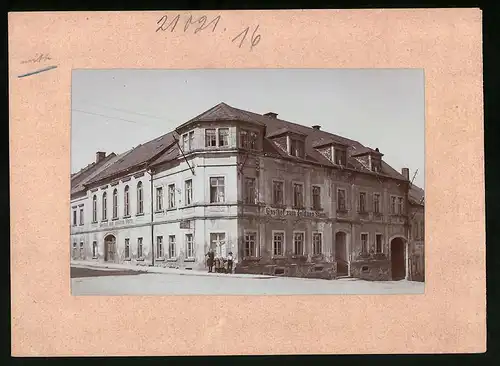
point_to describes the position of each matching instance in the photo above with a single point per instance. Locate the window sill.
(95, 258)
(278, 256)
(140, 214)
(94, 222)
(140, 259)
(114, 219)
(105, 220)
(341, 210)
(159, 211)
(189, 260)
(126, 217)
(251, 258)
(217, 203)
(127, 259)
(171, 209)
(171, 259)
(160, 259)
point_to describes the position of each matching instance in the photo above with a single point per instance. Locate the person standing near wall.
(230, 262)
(210, 260)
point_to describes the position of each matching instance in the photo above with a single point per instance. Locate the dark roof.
(365, 151)
(284, 130)
(78, 187)
(164, 149)
(138, 156)
(84, 173)
(416, 195)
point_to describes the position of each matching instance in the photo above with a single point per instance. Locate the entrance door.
(398, 259)
(109, 248)
(341, 254)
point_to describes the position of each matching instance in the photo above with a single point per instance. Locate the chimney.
(271, 115)
(99, 156)
(406, 173)
(317, 127)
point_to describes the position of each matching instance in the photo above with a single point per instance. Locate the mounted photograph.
(247, 182)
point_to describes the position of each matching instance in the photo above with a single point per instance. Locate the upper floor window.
(376, 165)
(139, 248)
(340, 157)
(74, 217)
(159, 198)
(81, 216)
(188, 191)
(140, 199)
(126, 202)
(217, 190)
(250, 191)
(223, 137)
(210, 137)
(115, 203)
(400, 205)
(397, 205)
(278, 193)
(248, 139)
(159, 247)
(341, 200)
(393, 205)
(171, 196)
(362, 202)
(316, 198)
(298, 195)
(376, 202)
(94, 208)
(104, 206)
(297, 148)
(127, 248)
(188, 141)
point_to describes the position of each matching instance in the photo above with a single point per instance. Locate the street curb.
(161, 270)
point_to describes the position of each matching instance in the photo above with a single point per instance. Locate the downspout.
(150, 171)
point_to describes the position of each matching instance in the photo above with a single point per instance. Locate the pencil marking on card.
(198, 25)
(37, 71)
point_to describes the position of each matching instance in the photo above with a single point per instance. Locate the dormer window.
(332, 150)
(296, 148)
(188, 141)
(371, 159)
(223, 137)
(210, 137)
(376, 165)
(340, 156)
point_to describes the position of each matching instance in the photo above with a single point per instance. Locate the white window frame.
(367, 242)
(74, 219)
(160, 254)
(140, 198)
(320, 243)
(115, 203)
(140, 245)
(218, 233)
(217, 199)
(191, 140)
(282, 182)
(82, 218)
(338, 200)
(105, 206)
(188, 192)
(252, 198)
(187, 247)
(126, 201)
(298, 205)
(303, 242)
(127, 248)
(219, 136)
(185, 142)
(274, 232)
(312, 197)
(377, 234)
(377, 194)
(256, 245)
(94, 208)
(75, 247)
(215, 135)
(94, 249)
(159, 199)
(81, 252)
(172, 250)
(171, 196)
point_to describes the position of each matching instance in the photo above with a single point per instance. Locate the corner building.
(285, 199)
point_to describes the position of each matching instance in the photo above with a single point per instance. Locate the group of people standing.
(218, 263)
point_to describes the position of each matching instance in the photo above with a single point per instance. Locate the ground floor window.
(94, 249)
(278, 240)
(189, 246)
(159, 247)
(298, 243)
(317, 243)
(139, 247)
(74, 250)
(378, 243)
(82, 253)
(127, 248)
(364, 243)
(171, 246)
(218, 243)
(250, 244)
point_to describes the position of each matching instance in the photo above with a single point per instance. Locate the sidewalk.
(148, 269)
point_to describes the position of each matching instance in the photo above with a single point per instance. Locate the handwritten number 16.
(254, 41)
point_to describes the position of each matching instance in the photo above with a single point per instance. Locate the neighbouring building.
(285, 199)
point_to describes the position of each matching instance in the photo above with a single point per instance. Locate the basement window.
(365, 269)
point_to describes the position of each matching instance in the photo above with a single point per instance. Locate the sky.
(115, 110)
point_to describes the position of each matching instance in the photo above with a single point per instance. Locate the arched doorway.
(398, 263)
(109, 248)
(341, 254)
